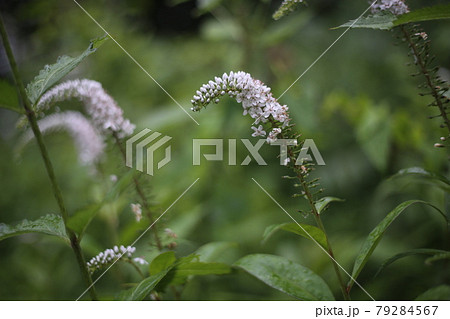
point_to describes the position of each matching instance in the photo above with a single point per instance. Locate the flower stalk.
(259, 103)
(429, 79)
(31, 116)
(141, 194)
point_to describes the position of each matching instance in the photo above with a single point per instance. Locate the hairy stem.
(74, 241)
(309, 196)
(319, 223)
(428, 77)
(141, 194)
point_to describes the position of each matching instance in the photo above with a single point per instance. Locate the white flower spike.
(256, 98)
(397, 7)
(112, 254)
(104, 111)
(87, 139)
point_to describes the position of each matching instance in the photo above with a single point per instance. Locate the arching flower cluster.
(89, 143)
(105, 113)
(397, 7)
(256, 99)
(112, 254)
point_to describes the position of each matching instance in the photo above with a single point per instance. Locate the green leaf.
(216, 251)
(53, 73)
(439, 293)
(162, 262)
(80, 220)
(435, 179)
(381, 21)
(180, 273)
(377, 233)
(406, 254)
(443, 255)
(322, 204)
(307, 231)
(425, 14)
(386, 20)
(144, 288)
(286, 276)
(49, 225)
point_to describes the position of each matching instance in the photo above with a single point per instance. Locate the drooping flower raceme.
(104, 111)
(256, 99)
(286, 7)
(397, 7)
(87, 139)
(112, 254)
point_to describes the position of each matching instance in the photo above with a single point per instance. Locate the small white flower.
(273, 135)
(258, 131)
(137, 210)
(113, 178)
(286, 161)
(140, 261)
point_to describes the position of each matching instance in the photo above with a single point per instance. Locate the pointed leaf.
(322, 204)
(425, 14)
(436, 179)
(80, 220)
(441, 293)
(49, 224)
(308, 231)
(386, 20)
(445, 255)
(144, 288)
(286, 276)
(181, 273)
(53, 73)
(162, 262)
(375, 236)
(216, 251)
(406, 254)
(380, 21)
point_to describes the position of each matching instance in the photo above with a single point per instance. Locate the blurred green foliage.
(358, 103)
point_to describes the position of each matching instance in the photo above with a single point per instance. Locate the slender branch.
(429, 79)
(141, 194)
(316, 214)
(74, 242)
(319, 223)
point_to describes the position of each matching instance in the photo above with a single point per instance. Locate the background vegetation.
(359, 104)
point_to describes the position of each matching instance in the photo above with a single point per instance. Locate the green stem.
(74, 242)
(428, 77)
(319, 223)
(141, 194)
